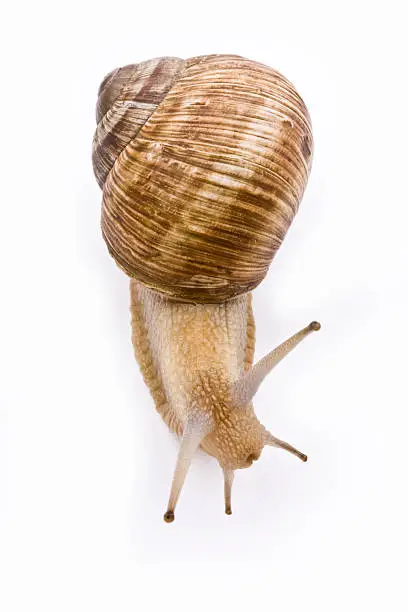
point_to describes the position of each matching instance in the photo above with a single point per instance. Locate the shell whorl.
(203, 164)
(126, 98)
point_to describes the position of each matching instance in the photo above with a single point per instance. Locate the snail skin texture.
(202, 163)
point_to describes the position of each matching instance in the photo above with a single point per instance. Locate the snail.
(203, 163)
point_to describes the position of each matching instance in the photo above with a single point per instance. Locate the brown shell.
(203, 164)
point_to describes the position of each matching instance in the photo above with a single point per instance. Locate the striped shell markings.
(203, 164)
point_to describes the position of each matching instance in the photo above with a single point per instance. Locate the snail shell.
(202, 163)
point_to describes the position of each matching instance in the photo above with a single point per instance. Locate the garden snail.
(203, 163)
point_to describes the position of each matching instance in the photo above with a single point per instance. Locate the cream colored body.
(196, 360)
(188, 340)
(190, 354)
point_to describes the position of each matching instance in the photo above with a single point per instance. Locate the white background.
(85, 462)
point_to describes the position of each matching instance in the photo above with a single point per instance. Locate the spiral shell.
(203, 164)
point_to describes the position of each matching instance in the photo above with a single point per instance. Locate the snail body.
(202, 164)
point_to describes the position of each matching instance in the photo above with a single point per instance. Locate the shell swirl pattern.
(203, 164)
